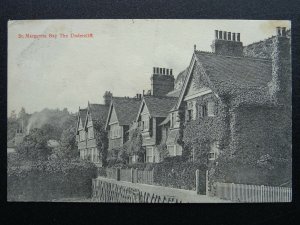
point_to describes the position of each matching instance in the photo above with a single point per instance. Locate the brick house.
(234, 100)
(122, 112)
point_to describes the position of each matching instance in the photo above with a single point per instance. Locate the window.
(211, 109)
(145, 122)
(91, 132)
(115, 131)
(82, 135)
(191, 111)
(214, 150)
(172, 150)
(202, 111)
(149, 154)
(174, 120)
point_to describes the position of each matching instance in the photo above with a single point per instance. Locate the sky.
(69, 72)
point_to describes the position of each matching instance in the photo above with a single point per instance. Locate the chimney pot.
(153, 70)
(233, 36)
(225, 35)
(160, 70)
(229, 36)
(278, 31)
(283, 31)
(167, 71)
(171, 70)
(220, 34)
(164, 71)
(195, 47)
(216, 34)
(238, 36)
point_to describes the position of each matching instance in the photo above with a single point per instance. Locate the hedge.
(172, 172)
(49, 180)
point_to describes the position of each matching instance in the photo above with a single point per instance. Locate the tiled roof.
(227, 72)
(180, 78)
(159, 106)
(82, 115)
(126, 109)
(174, 93)
(165, 121)
(98, 112)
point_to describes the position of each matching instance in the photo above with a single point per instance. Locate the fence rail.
(109, 191)
(252, 193)
(130, 175)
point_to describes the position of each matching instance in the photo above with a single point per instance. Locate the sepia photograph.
(149, 111)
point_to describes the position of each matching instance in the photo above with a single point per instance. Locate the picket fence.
(252, 193)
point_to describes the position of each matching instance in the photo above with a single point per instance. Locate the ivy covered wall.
(200, 132)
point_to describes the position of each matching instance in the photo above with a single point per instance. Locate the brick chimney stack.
(227, 43)
(280, 86)
(107, 97)
(162, 81)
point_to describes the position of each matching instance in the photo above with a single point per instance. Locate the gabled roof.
(81, 116)
(229, 75)
(235, 71)
(98, 112)
(126, 109)
(158, 106)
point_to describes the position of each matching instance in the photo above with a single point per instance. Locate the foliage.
(179, 174)
(101, 137)
(267, 171)
(135, 141)
(163, 151)
(47, 180)
(34, 146)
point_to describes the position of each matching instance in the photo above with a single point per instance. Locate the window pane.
(211, 108)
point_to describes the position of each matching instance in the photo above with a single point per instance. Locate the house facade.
(80, 132)
(91, 121)
(122, 112)
(153, 111)
(231, 102)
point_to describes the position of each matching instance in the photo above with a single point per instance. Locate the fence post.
(197, 181)
(118, 175)
(131, 173)
(206, 183)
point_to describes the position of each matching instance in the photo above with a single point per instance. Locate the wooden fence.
(129, 175)
(109, 191)
(252, 193)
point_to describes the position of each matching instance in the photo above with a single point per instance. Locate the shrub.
(230, 170)
(179, 174)
(47, 180)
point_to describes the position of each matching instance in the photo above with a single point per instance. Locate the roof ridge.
(152, 96)
(235, 57)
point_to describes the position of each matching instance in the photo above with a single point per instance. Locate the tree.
(34, 146)
(68, 144)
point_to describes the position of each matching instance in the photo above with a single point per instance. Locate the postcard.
(149, 111)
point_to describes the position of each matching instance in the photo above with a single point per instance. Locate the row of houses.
(235, 98)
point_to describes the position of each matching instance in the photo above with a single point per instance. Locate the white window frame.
(149, 155)
(214, 150)
(211, 108)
